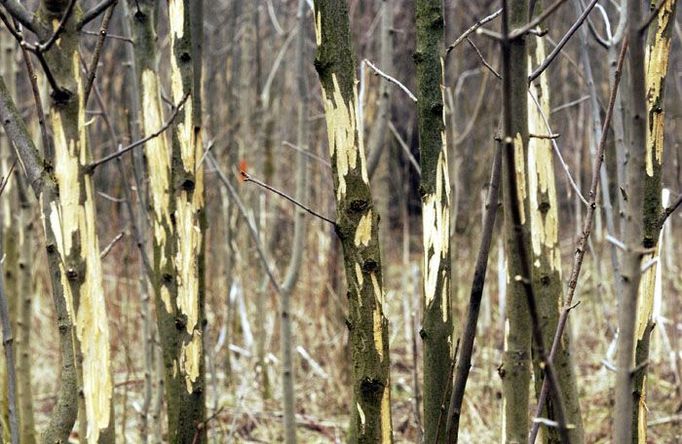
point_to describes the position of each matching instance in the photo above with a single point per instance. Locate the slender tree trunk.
(657, 55)
(633, 190)
(435, 192)
(299, 241)
(515, 370)
(46, 189)
(545, 252)
(10, 232)
(139, 220)
(25, 315)
(176, 198)
(356, 226)
(73, 221)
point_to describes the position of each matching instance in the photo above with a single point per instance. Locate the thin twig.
(94, 12)
(569, 104)
(249, 178)
(515, 34)
(109, 247)
(405, 147)
(5, 180)
(393, 80)
(43, 47)
(557, 49)
(110, 36)
(582, 242)
(483, 60)
(475, 297)
(92, 71)
(669, 211)
(20, 14)
(572, 181)
(26, 46)
(91, 167)
(652, 15)
(471, 30)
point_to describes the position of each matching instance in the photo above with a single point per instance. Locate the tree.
(70, 218)
(657, 56)
(633, 190)
(176, 191)
(357, 225)
(435, 193)
(546, 273)
(515, 370)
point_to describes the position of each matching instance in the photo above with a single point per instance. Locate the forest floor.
(240, 414)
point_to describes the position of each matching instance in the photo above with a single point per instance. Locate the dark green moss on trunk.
(357, 228)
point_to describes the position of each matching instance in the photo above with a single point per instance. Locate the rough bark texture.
(515, 370)
(356, 226)
(546, 253)
(72, 220)
(436, 329)
(657, 54)
(177, 197)
(45, 187)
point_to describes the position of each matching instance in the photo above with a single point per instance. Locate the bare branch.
(393, 80)
(109, 247)
(43, 47)
(92, 71)
(483, 60)
(557, 49)
(92, 14)
(249, 178)
(20, 14)
(515, 34)
(471, 30)
(91, 167)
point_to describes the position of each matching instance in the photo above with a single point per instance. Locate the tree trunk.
(356, 226)
(73, 219)
(545, 252)
(435, 193)
(633, 190)
(657, 54)
(515, 370)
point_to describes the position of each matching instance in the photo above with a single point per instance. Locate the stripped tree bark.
(545, 251)
(176, 206)
(436, 329)
(357, 227)
(657, 55)
(72, 218)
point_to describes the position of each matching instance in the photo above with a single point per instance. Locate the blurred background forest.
(250, 123)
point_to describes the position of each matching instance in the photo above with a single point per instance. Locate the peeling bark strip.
(357, 227)
(177, 199)
(435, 192)
(657, 56)
(546, 253)
(72, 220)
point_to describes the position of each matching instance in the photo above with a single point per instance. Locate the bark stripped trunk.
(545, 251)
(657, 54)
(356, 226)
(72, 219)
(181, 313)
(515, 370)
(435, 193)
